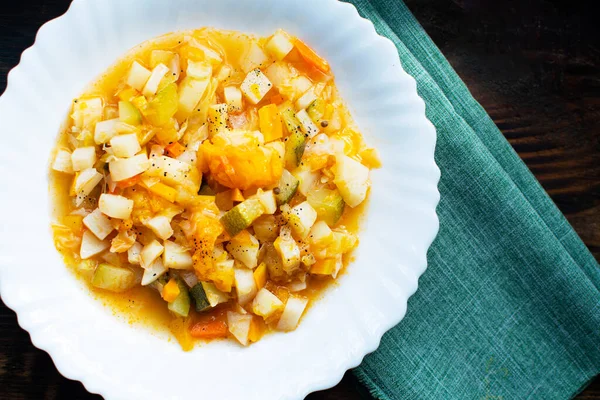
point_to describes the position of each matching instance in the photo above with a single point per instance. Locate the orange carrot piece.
(277, 99)
(175, 149)
(209, 330)
(310, 56)
(134, 180)
(170, 291)
(236, 195)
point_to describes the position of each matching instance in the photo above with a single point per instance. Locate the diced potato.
(87, 112)
(254, 58)
(255, 86)
(63, 162)
(176, 256)
(138, 76)
(306, 124)
(125, 168)
(329, 204)
(352, 179)
(296, 87)
(279, 45)
(199, 70)
(150, 253)
(239, 326)
(306, 99)
(115, 279)
(267, 199)
(98, 224)
(84, 183)
(173, 172)
(289, 252)
(214, 295)
(233, 98)
(217, 119)
(301, 218)
(279, 73)
(133, 254)
(307, 179)
(83, 158)
(244, 248)
(321, 235)
(161, 226)
(190, 92)
(266, 303)
(153, 272)
(125, 145)
(224, 73)
(151, 86)
(106, 130)
(115, 206)
(245, 286)
(265, 228)
(297, 286)
(91, 245)
(294, 308)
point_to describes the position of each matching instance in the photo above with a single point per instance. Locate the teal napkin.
(509, 306)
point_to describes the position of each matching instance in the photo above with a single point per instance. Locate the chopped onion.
(85, 182)
(150, 253)
(161, 226)
(239, 326)
(83, 158)
(176, 256)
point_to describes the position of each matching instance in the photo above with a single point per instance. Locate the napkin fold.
(509, 307)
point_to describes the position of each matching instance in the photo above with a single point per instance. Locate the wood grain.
(534, 66)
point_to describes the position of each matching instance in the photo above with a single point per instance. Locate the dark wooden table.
(534, 66)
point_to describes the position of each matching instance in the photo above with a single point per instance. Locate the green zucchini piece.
(242, 216)
(316, 110)
(115, 279)
(292, 124)
(181, 305)
(328, 204)
(163, 106)
(294, 149)
(200, 298)
(129, 114)
(288, 185)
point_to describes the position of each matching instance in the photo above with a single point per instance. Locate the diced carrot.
(270, 122)
(209, 330)
(260, 275)
(257, 329)
(75, 222)
(170, 291)
(323, 267)
(236, 195)
(370, 158)
(134, 180)
(175, 149)
(310, 56)
(164, 191)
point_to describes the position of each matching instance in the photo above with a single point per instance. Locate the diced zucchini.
(294, 308)
(138, 76)
(98, 224)
(267, 199)
(316, 110)
(129, 114)
(301, 218)
(115, 206)
(294, 149)
(244, 285)
(265, 228)
(352, 179)
(181, 305)
(91, 245)
(266, 303)
(287, 187)
(255, 86)
(214, 295)
(329, 204)
(63, 162)
(290, 121)
(241, 216)
(115, 279)
(191, 91)
(279, 45)
(176, 256)
(244, 248)
(125, 145)
(306, 124)
(125, 168)
(233, 98)
(200, 299)
(163, 106)
(217, 119)
(83, 158)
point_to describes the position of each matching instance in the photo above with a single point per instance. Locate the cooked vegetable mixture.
(220, 172)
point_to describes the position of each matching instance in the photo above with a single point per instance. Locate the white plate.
(111, 358)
